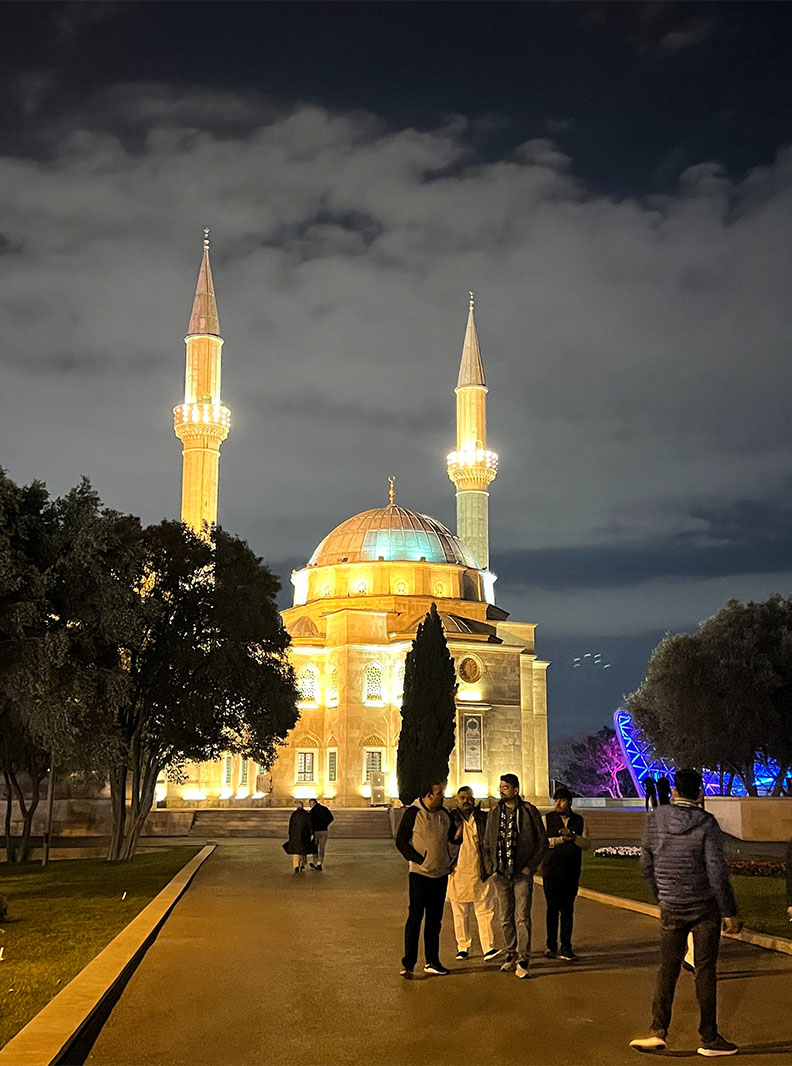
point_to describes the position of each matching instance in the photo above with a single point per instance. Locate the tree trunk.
(23, 848)
(141, 805)
(118, 802)
(10, 844)
(778, 784)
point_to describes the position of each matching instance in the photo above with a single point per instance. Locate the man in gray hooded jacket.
(427, 839)
(684, 865)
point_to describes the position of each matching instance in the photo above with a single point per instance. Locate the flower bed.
(741, 867)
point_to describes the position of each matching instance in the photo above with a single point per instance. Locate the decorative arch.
(374, 740)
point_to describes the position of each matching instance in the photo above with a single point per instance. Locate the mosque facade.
(357, 604)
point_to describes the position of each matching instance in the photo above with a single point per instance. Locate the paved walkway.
(258, 966)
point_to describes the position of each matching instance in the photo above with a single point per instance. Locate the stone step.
(274, 822)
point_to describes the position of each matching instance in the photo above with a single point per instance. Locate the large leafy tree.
(28, 549)
(131, 650)
(723, 696)
(428, 711)
(181, 655)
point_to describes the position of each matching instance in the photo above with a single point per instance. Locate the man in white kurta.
(467, 892)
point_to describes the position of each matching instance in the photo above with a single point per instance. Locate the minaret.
(201, 423)
(471, 467)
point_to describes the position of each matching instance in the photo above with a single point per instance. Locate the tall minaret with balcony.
(471, 467)
(201, 423)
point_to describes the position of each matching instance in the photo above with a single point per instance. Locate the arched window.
(372, 682)
(439, 589)
(360, 587)
(308, 684)
(398, 680)
(400, 587)
(332, 687)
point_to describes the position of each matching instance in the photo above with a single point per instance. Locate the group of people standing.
(486, 860)
(308, 835)
(480, 858)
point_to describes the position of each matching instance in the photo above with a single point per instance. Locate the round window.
(469, 669)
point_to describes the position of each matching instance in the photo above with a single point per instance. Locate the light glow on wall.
(193, 794)
(304, 792)
(243, 793)
(469, 695)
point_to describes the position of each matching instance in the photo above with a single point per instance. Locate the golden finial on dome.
(472, 300)
(206, 236)
(391, 490)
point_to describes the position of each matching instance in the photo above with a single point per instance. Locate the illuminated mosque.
(357, 603)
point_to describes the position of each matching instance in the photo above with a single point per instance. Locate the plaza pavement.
(257, 966)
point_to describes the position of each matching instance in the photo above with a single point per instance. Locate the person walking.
(300, 843)
(566, 833)
(650, 792)
(321, 817)
(426, 839)
(514, 845)
(663, 790)
(684, 865)
(470, 889)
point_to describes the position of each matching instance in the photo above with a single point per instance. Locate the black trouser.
(427, 898)
(560, 893)
(704, 922)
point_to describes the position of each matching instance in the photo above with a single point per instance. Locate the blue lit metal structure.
(642, 761)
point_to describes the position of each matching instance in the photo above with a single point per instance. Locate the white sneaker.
(508, 965)
(648, 1043)
(522, 970)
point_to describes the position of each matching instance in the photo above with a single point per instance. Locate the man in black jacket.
(514, 845)
(321, 817)
(683, 863)
(561, 872)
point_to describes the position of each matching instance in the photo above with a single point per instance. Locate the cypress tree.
(428, 711)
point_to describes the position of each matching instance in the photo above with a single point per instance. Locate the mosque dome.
(392, 533)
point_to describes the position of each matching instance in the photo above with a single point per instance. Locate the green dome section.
(392, 533)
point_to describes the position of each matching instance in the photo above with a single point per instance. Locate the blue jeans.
(514, 899)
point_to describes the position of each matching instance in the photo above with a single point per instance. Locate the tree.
(594, 765)
(27, 524)
(428, 711)
(723, 696)
(180, 653)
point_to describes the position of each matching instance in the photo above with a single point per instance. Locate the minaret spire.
(472, 468)
(471, 370)
(204, 317)
(202, 423)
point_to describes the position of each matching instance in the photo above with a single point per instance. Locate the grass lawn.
(60, 917)
(761, 901)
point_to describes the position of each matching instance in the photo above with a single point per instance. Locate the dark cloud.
(612, 180)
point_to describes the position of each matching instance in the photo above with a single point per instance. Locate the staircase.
(350, 823)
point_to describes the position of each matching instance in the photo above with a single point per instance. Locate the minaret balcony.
(472, 468)
(201, 419)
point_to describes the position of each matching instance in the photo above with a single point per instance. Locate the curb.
(54, 1036)
(748, 936)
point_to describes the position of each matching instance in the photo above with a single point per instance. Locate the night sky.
(613, 180)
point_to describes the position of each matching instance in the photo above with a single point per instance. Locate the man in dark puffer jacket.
(683, 862)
